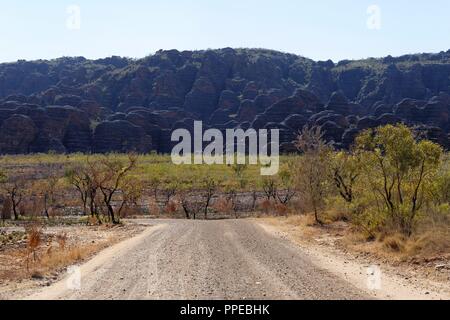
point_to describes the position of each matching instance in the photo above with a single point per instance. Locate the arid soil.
(400, 277)
(80, 243)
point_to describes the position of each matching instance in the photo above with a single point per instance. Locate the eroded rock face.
(120, 136)
(280, 110)
(16, 134)
(117, 104)
(202, 99)
(61, 129)
(338, 103)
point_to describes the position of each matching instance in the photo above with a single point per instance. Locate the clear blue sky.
(335, 29)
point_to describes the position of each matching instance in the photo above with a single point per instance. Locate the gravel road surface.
(225, 259)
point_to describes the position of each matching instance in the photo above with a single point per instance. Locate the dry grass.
(394, 243)
(302, 227)
(431, 244)
(424, 256)
(46, 252)
(60, 258)
(334, 215)
(34, 239)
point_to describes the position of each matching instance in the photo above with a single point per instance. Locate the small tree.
(188, 200)
(270, 188)
(169, 190)
(111, 176)
(46, 188)
(254, 187)
(400, 170)
(79, 178)
(231, 188)
(210, 186)
(14, 190)
(313, 168)
(130, 195)
(239, 173)
(6, 208)
(154, 185)
(441, 187)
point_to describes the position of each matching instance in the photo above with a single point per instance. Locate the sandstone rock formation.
(119, 104)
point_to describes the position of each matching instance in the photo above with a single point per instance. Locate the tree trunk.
(186, 211)
(255, 196)
(316, 215)
(14, 207)
(206, 207)
(85, 206)
(45, 207)
(111, 214)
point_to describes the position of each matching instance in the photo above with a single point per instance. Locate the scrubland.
(389, 196)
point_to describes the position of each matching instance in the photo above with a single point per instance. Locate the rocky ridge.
(118, 104)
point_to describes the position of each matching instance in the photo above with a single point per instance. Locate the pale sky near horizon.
(321, 30)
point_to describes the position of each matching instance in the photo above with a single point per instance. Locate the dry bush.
(266, 206)
(223, 205)
(93, 221)
(34, 239)
(433, 234)
(61, 238)
(171, 207)
(281, 209)
(434, 242)
(394, 242)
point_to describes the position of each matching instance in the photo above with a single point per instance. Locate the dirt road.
(227, 259)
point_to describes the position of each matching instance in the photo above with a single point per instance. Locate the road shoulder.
(394, 283)
(61, 288)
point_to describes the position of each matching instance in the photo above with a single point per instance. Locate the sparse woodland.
(391, 186)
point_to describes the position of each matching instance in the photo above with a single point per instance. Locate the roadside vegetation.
(392, 188)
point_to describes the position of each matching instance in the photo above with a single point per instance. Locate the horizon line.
(222, 48)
